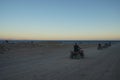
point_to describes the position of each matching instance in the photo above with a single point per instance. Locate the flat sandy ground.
(53, 63)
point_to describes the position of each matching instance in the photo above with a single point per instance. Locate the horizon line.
(60, 40)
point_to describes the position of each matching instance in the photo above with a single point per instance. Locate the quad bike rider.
(77, 51)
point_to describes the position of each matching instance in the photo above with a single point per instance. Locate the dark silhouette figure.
(6, 41)
(77, 51)
(99, 46)
(76, 48)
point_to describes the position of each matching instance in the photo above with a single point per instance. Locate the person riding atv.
(76, 48)
(77, 51)
(99, 47)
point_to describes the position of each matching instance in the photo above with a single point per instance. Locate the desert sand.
(52, 62)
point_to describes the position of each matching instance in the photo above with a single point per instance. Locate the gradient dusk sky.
(60, 19)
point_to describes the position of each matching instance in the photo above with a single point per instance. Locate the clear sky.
(60, 19)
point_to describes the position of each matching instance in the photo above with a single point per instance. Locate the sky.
(60, 19)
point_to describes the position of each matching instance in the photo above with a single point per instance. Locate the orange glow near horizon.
(59, 37)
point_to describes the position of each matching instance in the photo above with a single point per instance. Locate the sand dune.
(53, 63)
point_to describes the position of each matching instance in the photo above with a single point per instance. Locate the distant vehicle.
(99, 47)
